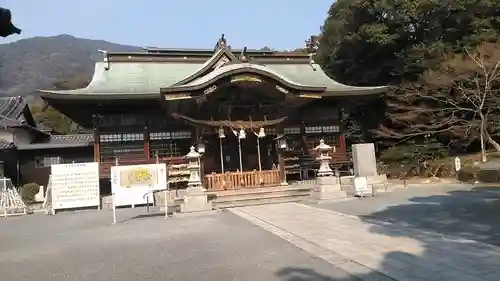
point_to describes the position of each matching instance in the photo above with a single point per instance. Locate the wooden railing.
(242, 180)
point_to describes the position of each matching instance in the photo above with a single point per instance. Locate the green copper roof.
(313, 75)
(129, 80)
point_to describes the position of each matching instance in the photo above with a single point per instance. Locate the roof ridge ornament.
(312, 46)
(106, 58)
(243, 55)
(221, 44)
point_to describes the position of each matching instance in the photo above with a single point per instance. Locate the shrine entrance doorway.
(223, 155)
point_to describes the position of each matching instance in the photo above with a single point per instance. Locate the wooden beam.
(146, 144)
(95, 122)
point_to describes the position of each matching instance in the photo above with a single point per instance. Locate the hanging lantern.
(201, 147)
(221, 133)
(261, 133)
(242, 134)
(281, 142)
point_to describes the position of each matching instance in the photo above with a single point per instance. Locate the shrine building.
(254, 114)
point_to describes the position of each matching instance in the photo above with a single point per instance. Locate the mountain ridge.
(38, 62)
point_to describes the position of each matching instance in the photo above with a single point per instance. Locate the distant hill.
(38, 62)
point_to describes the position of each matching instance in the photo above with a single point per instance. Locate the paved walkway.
(377, 251)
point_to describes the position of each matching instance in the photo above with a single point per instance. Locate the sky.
(278, 24)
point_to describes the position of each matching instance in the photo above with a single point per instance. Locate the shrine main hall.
(254, 115)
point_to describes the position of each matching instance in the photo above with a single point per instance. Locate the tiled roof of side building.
(44, 128)
(6, 144)
(61, 141)
(12, 107)
(6, 122)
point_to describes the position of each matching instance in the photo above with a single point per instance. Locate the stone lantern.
(193, 158)
(327, 186)
(324, 159)
(195, 199)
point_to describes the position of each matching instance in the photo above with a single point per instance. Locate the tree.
(53, 118)
(372, 42)
(459, 99)
(368, 42)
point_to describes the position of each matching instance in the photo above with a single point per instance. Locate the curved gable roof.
(233, 69)
(209, 64)
(302, 77)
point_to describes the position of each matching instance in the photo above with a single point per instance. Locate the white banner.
(75, 185)
(131, 183)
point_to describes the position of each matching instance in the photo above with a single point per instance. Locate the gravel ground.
(461, 210)
(85, 246)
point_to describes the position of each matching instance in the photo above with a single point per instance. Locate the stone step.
(259, 201)
(257, 196)
(239, 192)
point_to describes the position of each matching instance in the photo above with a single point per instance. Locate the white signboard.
(75, 185)
(361, 186)
(131, 183)
(458, 165)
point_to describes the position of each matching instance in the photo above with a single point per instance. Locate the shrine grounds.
(223, 245)
(85, 246)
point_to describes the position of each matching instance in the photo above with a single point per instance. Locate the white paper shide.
(75, 185)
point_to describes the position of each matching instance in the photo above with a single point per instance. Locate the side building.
(235, 105)
(27, 149)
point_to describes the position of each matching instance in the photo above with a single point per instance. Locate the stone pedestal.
(327, 185)
(195, 197)
(195, 200)
(327, 188)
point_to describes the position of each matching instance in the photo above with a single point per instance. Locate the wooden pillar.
(281, 163)
(199, 137)
(342, 143)
(95, 124)
(281, 156)
(146, 144)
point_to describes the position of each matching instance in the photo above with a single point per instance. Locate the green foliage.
(28, 192)
(413, 152)
(367, 43)
(489, 176)
(468, 174)
(52, 118)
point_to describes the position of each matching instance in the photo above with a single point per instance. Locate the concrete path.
(364, 248)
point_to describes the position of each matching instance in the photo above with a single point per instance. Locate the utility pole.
(7, 28)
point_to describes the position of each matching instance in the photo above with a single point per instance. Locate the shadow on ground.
(470, 213)
(444, 221)
(305, 274)
(445, 227)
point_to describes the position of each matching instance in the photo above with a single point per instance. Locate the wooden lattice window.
(322, 129)
(313, 141)
(124, 146)
(169, 144)
(47, 161)
(291, 130)
(166, 148)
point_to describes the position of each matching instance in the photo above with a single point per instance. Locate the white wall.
(6, 135)
(22, 136)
